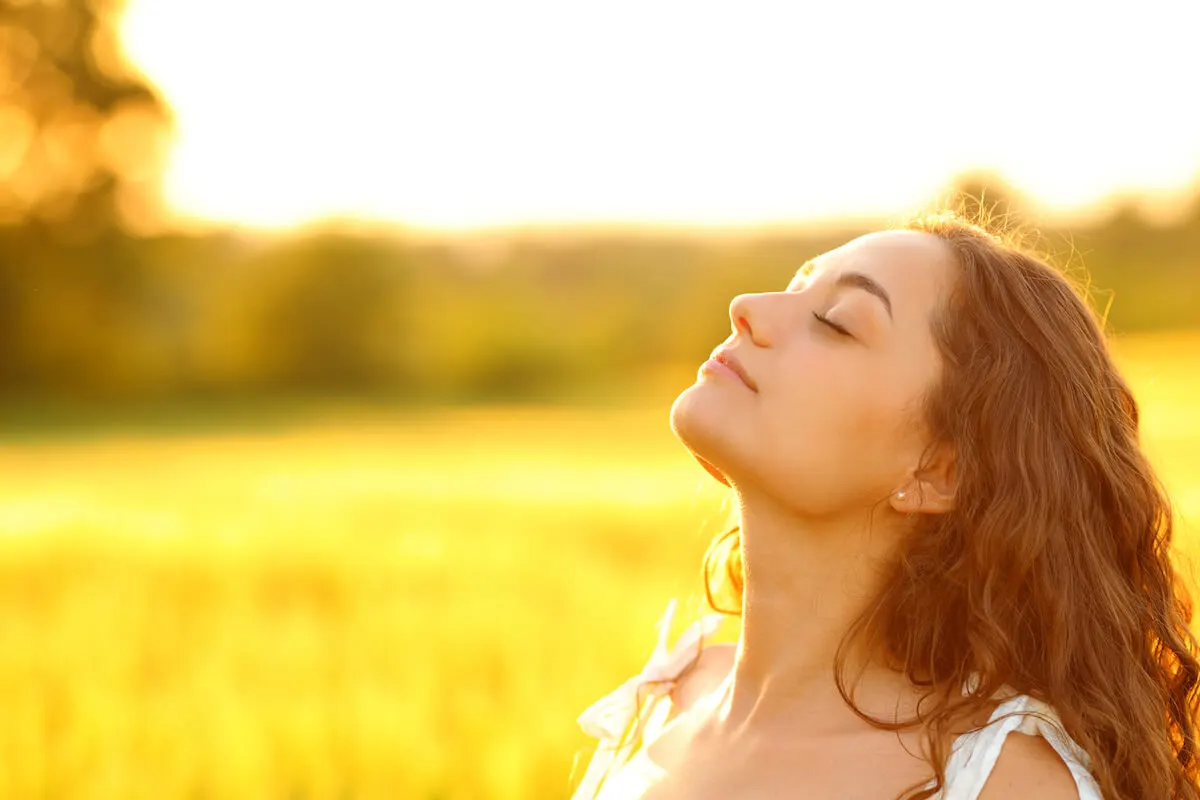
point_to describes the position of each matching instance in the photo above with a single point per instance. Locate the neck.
(806, 581)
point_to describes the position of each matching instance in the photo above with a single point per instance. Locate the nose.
(743, 313)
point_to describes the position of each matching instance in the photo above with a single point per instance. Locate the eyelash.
(826, 321)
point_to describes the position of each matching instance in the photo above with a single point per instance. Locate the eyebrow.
(853, 280)
(856, 280)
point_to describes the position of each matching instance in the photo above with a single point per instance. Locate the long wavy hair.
(1053, 573)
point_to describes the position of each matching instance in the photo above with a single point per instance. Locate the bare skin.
(823, 453)
(691, 755)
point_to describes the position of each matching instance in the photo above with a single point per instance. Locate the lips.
(727, 358)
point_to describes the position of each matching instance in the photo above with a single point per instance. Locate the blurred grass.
(367, 603)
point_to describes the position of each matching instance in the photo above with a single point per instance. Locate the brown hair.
(1053, 573)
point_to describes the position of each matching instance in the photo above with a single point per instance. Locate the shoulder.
(1028, 766)
(704, 675)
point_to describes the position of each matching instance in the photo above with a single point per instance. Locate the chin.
(701, 421)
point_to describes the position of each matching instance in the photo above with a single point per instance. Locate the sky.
(451, 115)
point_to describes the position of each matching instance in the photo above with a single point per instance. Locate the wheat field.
(368, 603)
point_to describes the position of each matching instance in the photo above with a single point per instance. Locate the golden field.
(371, 603)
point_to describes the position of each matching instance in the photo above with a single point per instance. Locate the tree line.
(474, 316)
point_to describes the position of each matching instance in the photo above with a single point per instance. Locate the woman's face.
(831, 421)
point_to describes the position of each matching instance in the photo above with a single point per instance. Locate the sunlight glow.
(456, 114)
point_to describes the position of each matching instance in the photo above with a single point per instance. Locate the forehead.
(915, 268)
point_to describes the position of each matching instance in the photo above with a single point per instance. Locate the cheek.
(813, 427)
(838, 428)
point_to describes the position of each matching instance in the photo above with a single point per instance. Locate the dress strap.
(974, 754)
(609, 717)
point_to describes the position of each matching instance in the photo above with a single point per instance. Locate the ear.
(931, 489)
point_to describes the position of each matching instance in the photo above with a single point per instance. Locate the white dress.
(971, 758)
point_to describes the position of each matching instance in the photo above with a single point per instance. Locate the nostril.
(739, 315)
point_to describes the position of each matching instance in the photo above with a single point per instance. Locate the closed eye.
(826, 321)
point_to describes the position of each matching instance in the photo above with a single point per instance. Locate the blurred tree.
(82, 143)
(82, 134)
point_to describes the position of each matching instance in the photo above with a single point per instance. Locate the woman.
(947, 533)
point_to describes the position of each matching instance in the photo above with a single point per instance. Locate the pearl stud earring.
(899, 495)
